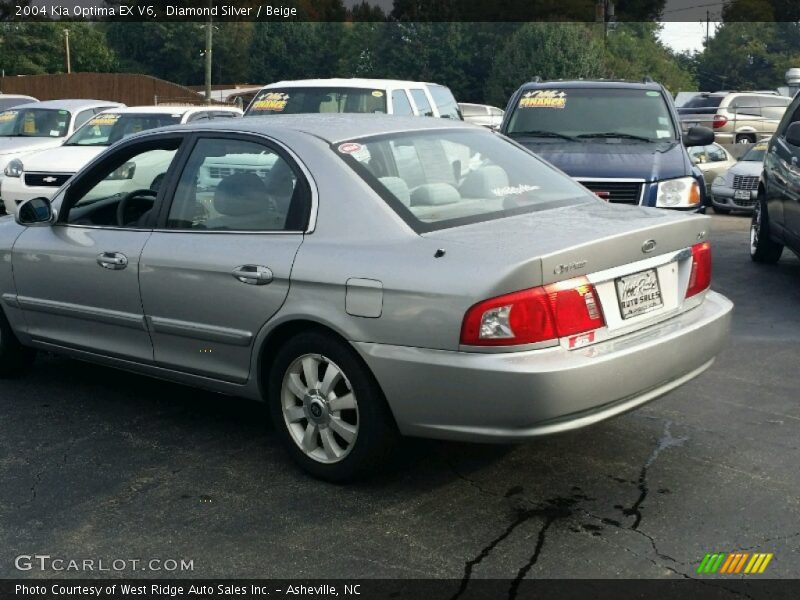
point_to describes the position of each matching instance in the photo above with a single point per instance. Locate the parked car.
(37, 126)
(712, 160)
(742, 118)
(776, 215)
(482, 114)
(355, 96)
(737, 187)
(11, 100)
(620, 139)
(41, 174)
(499, 305)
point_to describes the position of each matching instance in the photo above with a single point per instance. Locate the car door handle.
(253, 274)
(114, 261)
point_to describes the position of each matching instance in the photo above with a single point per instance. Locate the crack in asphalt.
(665, 441)
(512, 591)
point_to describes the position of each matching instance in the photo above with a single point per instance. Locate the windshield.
(586, 113)
(34, 122)
(317, 100)
(444, 178)
(107, 128)
(756, 153)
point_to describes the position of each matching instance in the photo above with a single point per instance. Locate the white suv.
(387, 96)
(41, 174)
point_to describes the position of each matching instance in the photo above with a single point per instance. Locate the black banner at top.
(402, 10)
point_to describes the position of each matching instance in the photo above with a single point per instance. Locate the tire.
(763, 248)
(721, 210)
(14, 357)
(745, 139)
(335, 445)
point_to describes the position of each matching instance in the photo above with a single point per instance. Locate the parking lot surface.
(98, 463)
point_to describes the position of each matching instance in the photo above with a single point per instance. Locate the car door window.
(715, 154)
(82, 117)
(238, 185)
(448, 108)
(421, 100)
(747, 106)
(400, 103)
(121, 191)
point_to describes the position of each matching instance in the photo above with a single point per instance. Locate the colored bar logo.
(735, 563)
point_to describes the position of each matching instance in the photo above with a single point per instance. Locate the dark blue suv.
(620, 139)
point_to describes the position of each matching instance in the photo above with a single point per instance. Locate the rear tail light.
(534, 315)
(700, 277)
(719, 121)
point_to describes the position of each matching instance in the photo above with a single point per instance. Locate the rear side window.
(447, 105)
(704, 102)
(746, 105)
(421, 100)
(400, 103)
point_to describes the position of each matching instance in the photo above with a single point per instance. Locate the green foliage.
(550, 50)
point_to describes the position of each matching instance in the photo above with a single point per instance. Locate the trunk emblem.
(649, 246)
(49, 179)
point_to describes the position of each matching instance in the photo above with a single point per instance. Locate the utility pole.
(67, 64)
(605, 14)
(708, 25)
(209, 40)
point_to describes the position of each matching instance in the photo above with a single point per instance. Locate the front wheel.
(328, 409)
(763, 248)
(14, 357)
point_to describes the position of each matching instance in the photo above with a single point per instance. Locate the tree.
(550, 50)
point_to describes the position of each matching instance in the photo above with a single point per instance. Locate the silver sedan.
(367, 276)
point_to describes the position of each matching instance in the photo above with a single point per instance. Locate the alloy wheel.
(320, 408)
(755, 228)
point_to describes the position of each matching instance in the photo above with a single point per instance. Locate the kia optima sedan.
(366, 276)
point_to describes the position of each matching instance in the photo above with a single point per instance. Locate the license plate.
(638, 293)
(741, 194)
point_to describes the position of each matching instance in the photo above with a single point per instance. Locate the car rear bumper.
(508, 397)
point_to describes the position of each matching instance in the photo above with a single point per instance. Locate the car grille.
(220, 172)
(745, 182)
(624, 192)
(46, 179)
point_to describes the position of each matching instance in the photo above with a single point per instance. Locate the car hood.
(747, 168)
(64, 159)
(601, 159)
(19, 145)
(587, 237)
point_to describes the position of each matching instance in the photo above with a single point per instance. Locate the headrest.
(241, 194)
(434, 194)
(398, 187)
(480, 182)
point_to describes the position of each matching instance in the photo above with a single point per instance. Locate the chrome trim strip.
(11, 300)
(610, 179)
(87, 313)
(639, 265)
(208, 333)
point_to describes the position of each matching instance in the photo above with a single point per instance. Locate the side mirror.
(36, 212)
(698, 136)
(793, 134)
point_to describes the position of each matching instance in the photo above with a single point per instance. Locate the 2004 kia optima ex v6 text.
(367, 276)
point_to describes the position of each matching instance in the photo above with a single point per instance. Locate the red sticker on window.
(349, 148)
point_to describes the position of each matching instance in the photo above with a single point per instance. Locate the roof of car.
(163, 109)
(344, 82)
(593, 83)
(334, 127)
(17, 96)
(71, 104)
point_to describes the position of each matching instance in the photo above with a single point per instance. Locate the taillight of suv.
(719, 121)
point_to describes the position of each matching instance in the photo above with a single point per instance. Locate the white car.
(482, 114)
(36, 126)
(383, 96)
(10, 100)
(41, 174)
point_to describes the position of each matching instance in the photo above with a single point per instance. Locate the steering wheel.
(123, 203)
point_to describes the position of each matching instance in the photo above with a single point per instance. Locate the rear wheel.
(14, 357)
(763, 248)
(745, 138)
(328, 409)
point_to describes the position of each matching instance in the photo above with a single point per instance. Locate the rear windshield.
(444, 178)
(592, 113)
(106, 128)
(34, 122)
(295, 100)
(704, 102)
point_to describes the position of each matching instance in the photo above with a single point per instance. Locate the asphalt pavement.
(101, 464)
